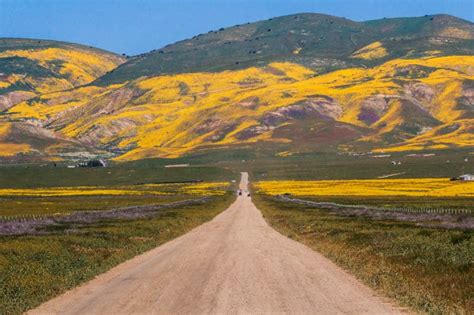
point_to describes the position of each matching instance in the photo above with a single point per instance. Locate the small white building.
(467, 177)
(176, 165)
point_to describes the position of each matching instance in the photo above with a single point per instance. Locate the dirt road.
(235, 263)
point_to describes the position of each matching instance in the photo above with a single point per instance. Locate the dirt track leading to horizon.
(235, 263)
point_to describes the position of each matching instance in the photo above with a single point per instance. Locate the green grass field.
(333, 166)
(427, 269)
(259, 161)
(262, 164)
(140, 172)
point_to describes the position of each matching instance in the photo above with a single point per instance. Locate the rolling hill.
(299, 83)
(31, 67)
(319, 42)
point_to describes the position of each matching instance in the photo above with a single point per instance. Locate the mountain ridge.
(380, 93)
(250, 37)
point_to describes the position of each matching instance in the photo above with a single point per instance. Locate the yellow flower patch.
(436, 187)
(146, 189)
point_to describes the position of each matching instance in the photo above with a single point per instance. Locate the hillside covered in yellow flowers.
(30, 67)
(378, 96)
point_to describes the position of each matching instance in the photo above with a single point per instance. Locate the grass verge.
(427, 269)
(34, 269)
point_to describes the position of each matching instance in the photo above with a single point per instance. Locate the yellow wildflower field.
(207, 189)
(415, 187)
(204, 188)
(11, 149)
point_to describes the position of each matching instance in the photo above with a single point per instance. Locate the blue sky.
(136, 26)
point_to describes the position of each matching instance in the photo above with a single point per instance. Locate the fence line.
(451, 211)
(31, 217)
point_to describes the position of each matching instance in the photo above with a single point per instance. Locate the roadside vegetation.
(60, 227)
(35, 268)
(427, 269)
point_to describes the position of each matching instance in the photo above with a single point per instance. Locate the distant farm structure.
(93, 163)
(176, 165)
(465, 177)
